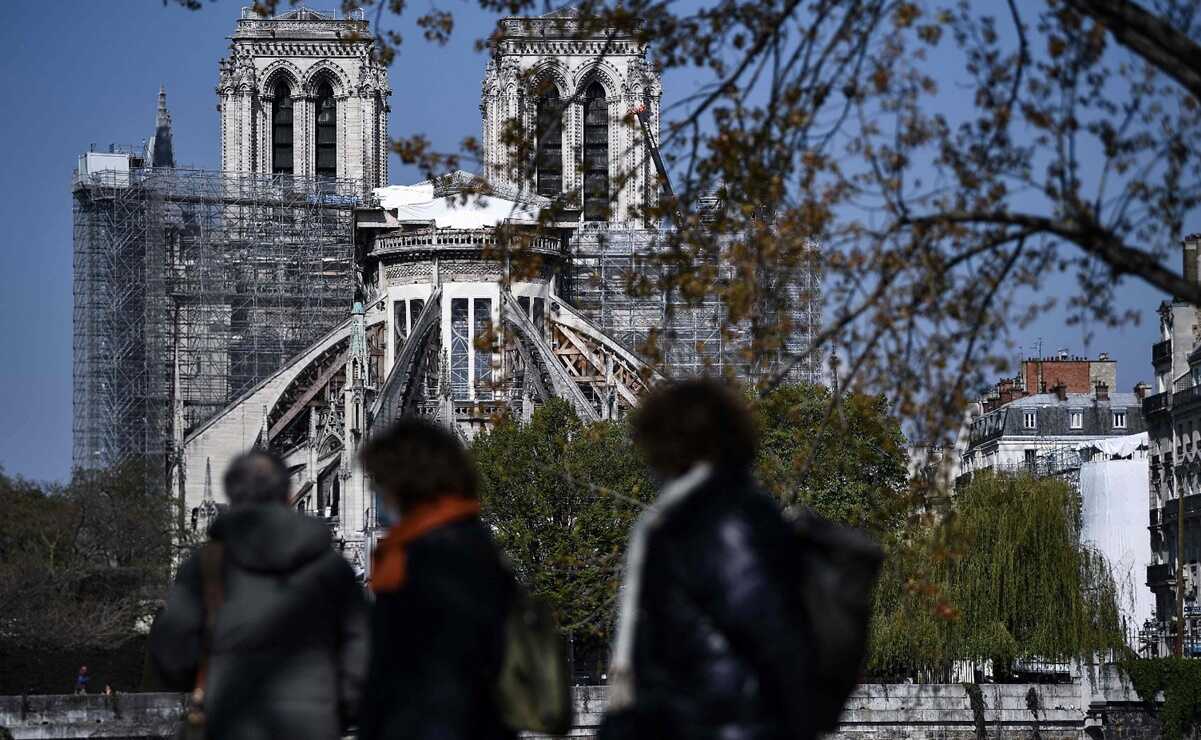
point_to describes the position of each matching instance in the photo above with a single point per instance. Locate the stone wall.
(1097, 705)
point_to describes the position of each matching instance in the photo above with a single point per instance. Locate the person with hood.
(712, 640)
(287, 651)
(442, 593)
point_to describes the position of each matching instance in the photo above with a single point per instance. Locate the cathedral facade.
(463, 299)
(301, 94)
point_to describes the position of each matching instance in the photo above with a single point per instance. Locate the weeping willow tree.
(1008, 579)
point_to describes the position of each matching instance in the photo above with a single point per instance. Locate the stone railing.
(1097, 703)
(428, 240)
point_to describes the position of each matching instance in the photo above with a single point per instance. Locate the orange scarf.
(388, 560)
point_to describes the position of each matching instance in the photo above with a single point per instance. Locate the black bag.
(841, 565)
(533, 689)
(194, 723)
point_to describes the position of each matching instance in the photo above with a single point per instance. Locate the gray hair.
(257, 477)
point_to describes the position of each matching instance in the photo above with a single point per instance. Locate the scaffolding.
(695, 337)
(190, 288)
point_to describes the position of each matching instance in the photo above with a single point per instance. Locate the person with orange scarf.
(442, 592)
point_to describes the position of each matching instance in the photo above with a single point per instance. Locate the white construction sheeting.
(418, 203)
(1114, 497)
(1117, 446)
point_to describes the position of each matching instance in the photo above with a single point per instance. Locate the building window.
(327, 132)
(400, 324)
(460, 345)
(1077, 419)
(281, 130)
(1031, 459)
(481, 339)
(1030, 419)
(596, 154)
(539, 317)
(1119, 420)
(550, 144)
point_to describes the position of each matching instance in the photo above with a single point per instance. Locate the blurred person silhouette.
(443, 593)
(82, 679)
(266, 622)
(712, 638)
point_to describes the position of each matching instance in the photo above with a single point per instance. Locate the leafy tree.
(81, 565)
(842, 455)
(954, 163)
(1011, 581)
(561, 497)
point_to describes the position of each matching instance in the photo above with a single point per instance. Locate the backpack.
(841, 568)
(533, 689)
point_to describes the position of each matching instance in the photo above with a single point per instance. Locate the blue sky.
(88, 73)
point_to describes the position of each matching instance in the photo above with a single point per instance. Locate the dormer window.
(1077, 419)
(1119, 420)
(1030, 420)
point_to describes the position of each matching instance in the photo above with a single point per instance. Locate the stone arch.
(549, 70)
(602, 71)
(326, 71)
(280, 69)
(330, 444)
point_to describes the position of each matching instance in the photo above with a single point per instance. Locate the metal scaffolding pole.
(190, 288)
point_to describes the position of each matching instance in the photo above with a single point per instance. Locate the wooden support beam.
(311, 392)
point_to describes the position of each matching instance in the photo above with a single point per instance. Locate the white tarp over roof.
(418, 203)
(1120, 446)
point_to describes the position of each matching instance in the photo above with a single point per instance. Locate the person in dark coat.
(442, 594)
(712, 640)
(289, 649)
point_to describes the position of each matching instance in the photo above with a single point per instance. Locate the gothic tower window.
(281, 129)
(596, 154)
(327, 132)
(550, 144)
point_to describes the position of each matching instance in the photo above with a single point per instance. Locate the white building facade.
(301, 95)
(578, 94)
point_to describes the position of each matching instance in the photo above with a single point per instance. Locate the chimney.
(1141, 390)
(1190, 244)
(1061, 390)
(1102, 391)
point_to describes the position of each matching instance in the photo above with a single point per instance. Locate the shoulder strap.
(212, 591)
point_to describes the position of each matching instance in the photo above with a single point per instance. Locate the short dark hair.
(685, 422)
(257, 477)
(417, 460)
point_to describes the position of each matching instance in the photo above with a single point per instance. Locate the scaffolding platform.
(191, 287)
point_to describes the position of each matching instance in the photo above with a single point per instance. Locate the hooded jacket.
(721, 647)
(289, 650)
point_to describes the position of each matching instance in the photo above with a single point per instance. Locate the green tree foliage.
(1008, 577)
(1179, 679)
(843, 457)
(561, 496)
(82, 564)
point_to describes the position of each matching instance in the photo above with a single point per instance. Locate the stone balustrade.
(1098, 704)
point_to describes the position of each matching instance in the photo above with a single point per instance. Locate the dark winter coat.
(438, 640)
(289, 651)
(721, 648)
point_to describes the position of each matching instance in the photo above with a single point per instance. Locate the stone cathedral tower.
(577, 93)
(300, 95)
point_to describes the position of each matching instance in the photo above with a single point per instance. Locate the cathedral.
(337, 302)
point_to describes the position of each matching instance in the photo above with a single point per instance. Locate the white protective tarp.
(1115, 495)
(418, 203)
(1119, 446)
